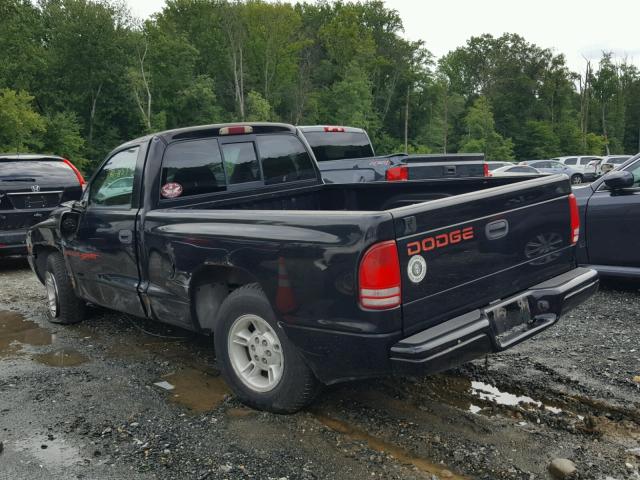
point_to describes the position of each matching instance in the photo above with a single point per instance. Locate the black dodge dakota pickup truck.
(228, 230)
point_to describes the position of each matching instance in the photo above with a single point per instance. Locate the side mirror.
(618, 180)
(69, 223)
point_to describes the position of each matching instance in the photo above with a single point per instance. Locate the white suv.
(612, 162)
(580, 163)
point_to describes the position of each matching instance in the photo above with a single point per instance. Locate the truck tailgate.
(445, 170)
(481, 246)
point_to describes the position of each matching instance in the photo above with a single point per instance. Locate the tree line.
(78, 77)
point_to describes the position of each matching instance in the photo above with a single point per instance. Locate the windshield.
(339, 145)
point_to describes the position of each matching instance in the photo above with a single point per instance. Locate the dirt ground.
(80, 402)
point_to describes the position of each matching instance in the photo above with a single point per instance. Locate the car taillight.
(485, 170)
(575, 219)
(397, 174)
(334, 129)
(379, 277)
(236, 130)
(76, 171)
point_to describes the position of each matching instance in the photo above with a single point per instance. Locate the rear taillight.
(334, 129)
(379, 277)
(485, 170)
(76, 171)
(397, 174)
(575, 219)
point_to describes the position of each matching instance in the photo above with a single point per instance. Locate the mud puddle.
(481, 398)
(64, 357)
(16, 330)
(198, 390)
(400, 454)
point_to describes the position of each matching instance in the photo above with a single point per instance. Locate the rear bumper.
(13, 242)
(480, 332)
(336, 356)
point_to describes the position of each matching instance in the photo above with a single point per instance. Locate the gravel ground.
(80, 402)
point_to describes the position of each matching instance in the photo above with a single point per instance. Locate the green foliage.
(595, 144)
(62, 136)
(541, 141)
(482, 136)
(96, 77)
(20, 125)
(349, 101)
(258, 108)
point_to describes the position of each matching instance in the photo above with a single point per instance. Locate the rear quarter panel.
(319, 251)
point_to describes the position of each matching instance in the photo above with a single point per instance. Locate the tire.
(576, 179)
(280, 381)
(64, 307)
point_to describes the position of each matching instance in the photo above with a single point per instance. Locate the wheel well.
(209, 287)
(40, 260)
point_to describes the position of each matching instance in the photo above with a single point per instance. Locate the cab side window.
(192, 168)
(113, 186)
(571, 161)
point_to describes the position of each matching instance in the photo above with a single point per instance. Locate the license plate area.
(510, 319)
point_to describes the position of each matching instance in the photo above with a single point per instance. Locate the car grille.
(34, 200)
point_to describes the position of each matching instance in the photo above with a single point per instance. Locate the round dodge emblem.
(417, 268)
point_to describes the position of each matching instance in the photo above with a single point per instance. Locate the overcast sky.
(577, 28)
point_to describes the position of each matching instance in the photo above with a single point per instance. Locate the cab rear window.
(197, 167)
(339, 145)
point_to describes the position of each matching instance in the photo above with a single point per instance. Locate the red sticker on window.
(171, 190)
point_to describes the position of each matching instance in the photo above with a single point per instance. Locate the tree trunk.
(241, 98)
(406, 123)
(446, 123)
(604, 128)
(392, 89)
(93, 113)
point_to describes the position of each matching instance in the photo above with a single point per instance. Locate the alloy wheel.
(255, 352)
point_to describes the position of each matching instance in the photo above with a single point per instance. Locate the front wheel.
(63, 305)
(257, 360)
(576, 179)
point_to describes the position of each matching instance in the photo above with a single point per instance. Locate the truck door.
(613, 224)
(102, 255)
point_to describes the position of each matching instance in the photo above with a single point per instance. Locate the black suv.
(31, 186)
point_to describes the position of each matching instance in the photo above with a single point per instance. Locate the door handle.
(125, 236)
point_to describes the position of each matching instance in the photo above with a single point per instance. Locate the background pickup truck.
(228, 229)
(346, 155)
(610, 211)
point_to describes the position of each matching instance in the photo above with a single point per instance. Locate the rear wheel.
(64, 306)
(257, 360)
(576, 179)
